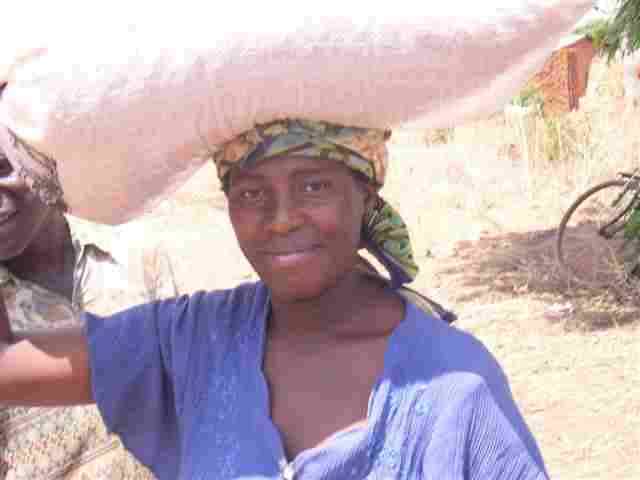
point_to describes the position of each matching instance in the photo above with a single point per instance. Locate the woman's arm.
(43, 369)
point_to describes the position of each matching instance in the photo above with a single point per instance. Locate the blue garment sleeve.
(493, 447)
(478, 415)
(495, 396)
(496, 392)
(134, 356)
(460, 352)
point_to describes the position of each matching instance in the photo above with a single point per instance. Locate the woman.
(320, 370)
(46, 273)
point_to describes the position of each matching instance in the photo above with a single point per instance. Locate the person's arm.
(43, 369)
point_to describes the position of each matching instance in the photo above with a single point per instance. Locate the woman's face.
(298, 222)
(22, 214)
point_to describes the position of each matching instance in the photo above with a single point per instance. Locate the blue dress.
(181, 382)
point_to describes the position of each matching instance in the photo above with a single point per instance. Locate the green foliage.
(529, 97)
(623, 34)
(598, 32)
(632, 227)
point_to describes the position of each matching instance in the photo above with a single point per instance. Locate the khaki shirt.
(65, 443)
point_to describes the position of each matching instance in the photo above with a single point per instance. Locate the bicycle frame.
(615, 226)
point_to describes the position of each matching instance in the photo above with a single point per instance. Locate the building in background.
(563, 79)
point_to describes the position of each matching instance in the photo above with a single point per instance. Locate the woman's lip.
(292, 251)
(291, 258)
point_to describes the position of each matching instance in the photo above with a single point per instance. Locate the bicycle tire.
(582, 271)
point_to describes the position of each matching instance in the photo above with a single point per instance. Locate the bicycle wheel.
(582, 250)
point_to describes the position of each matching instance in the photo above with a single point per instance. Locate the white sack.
(127, 118)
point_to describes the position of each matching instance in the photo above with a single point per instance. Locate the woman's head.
(303, 200)
(298, 221)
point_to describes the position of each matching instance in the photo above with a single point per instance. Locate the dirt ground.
(485, 247)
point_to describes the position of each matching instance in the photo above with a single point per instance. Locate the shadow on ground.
(511, 265)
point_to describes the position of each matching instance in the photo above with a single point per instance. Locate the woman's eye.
(316, 186)
(251, 196)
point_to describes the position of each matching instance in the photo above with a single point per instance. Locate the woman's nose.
(284, 215)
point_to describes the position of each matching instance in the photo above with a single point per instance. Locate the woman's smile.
(292, 258)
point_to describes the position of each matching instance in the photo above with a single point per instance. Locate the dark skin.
(35, 243)
(298, 222)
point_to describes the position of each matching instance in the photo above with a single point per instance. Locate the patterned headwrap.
(37, 169)
(385, 234)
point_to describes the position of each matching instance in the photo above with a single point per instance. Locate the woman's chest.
(254, 451)
(232, 435)
(314, 398)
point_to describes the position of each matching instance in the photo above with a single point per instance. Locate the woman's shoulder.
(435, 350)
(188, 315)
(224, 305)
(453, 372)
(238, 300)
(228, 306)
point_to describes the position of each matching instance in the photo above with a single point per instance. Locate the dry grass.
(158, 275)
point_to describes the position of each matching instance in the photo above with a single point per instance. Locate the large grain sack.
(127, 119)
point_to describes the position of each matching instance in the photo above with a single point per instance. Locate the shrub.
(598, 31)
(529, 97)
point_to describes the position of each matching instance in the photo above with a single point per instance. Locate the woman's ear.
(368, 190)
(371, 195)
(371, 199)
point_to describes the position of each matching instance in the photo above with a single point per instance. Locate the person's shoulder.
(456, 373)
(243, 296)
(215, 314)
(445, 342)
(436, 349)
(227, 306)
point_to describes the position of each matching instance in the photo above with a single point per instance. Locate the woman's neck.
(49, 259)
(343, 310)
